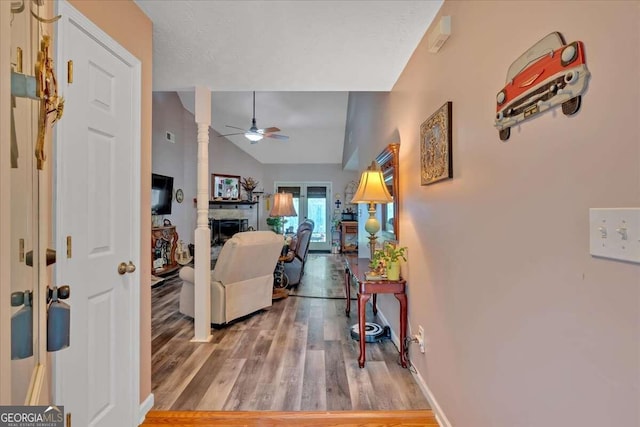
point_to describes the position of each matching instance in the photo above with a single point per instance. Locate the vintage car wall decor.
(549, 73)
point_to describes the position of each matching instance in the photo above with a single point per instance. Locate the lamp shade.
(372, 188)
(282, 205)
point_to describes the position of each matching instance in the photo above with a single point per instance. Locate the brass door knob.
(131, 267)
(123, 268)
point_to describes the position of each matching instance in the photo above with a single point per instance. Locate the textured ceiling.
(276, 46)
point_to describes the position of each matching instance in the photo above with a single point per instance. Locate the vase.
(393, 270)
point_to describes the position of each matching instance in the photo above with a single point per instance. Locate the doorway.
(311, 200)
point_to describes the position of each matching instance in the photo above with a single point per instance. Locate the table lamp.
(282, 207)
(372, 190)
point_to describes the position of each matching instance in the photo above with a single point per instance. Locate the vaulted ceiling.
(301, 57)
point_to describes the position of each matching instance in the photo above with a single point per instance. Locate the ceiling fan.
(254, 134)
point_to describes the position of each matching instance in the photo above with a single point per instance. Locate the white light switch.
(615, 233)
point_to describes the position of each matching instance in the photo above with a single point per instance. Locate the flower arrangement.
(249, 184)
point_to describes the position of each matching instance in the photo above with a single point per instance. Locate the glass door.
(311, 200)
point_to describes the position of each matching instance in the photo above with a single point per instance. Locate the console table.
(355, 269)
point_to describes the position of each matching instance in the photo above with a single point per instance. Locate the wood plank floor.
(295, 356)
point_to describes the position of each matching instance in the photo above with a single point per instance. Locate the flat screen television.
(161, 194)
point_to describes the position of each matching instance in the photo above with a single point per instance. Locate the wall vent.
(439, 34)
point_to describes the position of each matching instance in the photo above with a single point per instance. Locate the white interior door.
(311, 200)
(97, 195)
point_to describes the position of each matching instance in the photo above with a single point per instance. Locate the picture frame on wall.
(436, 157)
(225, 187)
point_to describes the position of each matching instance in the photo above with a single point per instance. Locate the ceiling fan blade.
(269, 130)
(231, 134)
(277, 136)
(235, 127)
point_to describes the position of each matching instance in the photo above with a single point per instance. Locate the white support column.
(202, 237)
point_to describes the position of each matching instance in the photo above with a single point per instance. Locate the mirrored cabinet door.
(26, 302)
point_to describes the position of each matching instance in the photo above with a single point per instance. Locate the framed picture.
(226, 187)
(436, 162)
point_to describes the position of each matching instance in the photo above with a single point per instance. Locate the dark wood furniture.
(348, 236)
(164, 241)
(355, 269)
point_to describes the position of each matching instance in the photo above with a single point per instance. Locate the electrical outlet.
(421, 338)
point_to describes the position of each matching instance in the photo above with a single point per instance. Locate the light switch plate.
(615, 233)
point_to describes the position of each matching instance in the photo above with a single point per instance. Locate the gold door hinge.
(69, 420)
(69, 247)
(70, 71)
(21, 250)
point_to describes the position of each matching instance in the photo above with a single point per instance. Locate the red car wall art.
(549, 73)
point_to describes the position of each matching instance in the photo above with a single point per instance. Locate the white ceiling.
(314, 122)
(287, 51)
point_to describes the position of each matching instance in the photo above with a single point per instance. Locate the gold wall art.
(436, 162)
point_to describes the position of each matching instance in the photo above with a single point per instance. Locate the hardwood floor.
(296, 356)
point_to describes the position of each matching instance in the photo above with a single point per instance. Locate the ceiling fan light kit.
(254, 134)
(253, 137)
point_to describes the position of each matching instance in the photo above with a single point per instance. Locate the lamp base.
(372, 244)
(372, 226)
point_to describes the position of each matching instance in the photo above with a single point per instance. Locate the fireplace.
(223, 229)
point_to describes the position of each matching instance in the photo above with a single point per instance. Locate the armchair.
(242, 279)
(294, 265)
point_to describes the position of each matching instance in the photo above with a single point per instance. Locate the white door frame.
(69, 12)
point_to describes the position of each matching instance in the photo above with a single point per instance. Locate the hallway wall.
(523, 327)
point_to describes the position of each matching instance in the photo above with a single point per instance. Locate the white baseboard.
(437, 410)
(394, 338)
(145, 407)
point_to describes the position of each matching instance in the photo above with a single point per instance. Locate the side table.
(355, 269)
(280, 279)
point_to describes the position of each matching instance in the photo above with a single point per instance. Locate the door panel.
(98, 192)
(311, 200)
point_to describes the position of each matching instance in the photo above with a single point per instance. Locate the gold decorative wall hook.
(47, 91)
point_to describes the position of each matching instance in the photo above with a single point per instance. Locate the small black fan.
(254, 134)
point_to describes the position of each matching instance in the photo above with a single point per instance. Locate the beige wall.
(129, 26)
(523, 326)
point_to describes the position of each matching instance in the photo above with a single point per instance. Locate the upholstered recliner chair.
(242, 279)
(294, 265)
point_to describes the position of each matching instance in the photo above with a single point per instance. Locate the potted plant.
(388, 259)
(275, 223)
